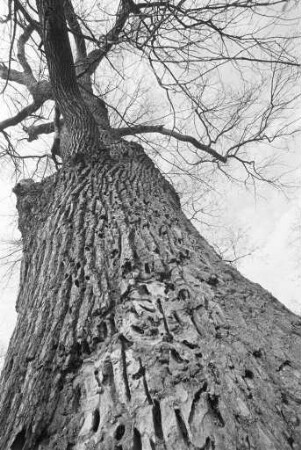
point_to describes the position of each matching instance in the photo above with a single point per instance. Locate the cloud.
(275, 265)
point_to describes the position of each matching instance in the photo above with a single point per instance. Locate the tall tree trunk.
(132, 333)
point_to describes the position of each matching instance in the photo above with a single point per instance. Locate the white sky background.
(267, 220)
(9, 273)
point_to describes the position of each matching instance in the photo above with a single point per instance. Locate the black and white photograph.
(150, 225)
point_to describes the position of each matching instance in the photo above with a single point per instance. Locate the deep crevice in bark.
(157, 420)
(124, 368)
(182, 426)
(137, 443)
(96, 420)
(19, 441)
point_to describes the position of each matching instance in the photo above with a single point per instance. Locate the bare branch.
(110, 39)
(63, 78)
(36, 26)
(46, 128)
(35, 131)
(14, 75)
(23, 114)
(21, 51)
(13, 37)
(76, 30)
(142, 129)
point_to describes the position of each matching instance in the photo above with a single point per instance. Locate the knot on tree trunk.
(32, 200)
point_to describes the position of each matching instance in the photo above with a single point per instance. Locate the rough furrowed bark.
(82, 128)
(133, 334)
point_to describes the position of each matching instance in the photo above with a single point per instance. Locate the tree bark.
(82, 129)
(132, 333)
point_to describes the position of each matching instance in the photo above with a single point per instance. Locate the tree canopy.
(216, 78)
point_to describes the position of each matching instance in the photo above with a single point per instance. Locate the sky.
(276, 264)
(9, 272)
(272, 227)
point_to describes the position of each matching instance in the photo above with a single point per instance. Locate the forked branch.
(106, 42)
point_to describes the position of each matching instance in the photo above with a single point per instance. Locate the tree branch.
(40, 90)
(36, 26)
(26, 78)
(80, 123)
(14, 75)
(142, 129)
(81, 50)
(23, 114)
(47, 128)
(110, 39)
(75, 30)
(35, 130)
(21, 51)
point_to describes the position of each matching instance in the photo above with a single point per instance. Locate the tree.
(132, 332)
